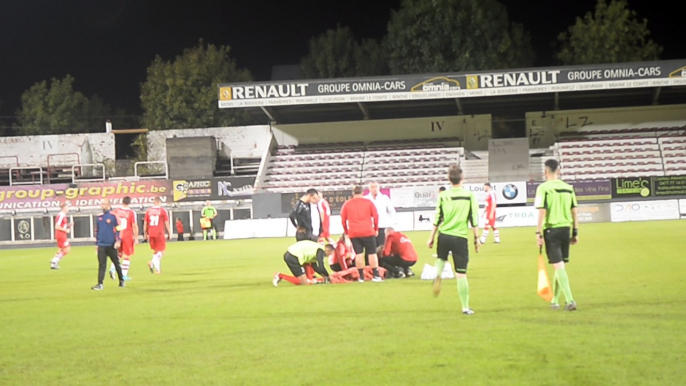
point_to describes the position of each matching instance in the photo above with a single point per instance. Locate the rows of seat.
(611, 157)
(636, 130)
(295, 168)
(606, 154)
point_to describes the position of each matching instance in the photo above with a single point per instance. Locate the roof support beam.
(557, 101)
(269, 113)
(364, 109)
(460, 109)
(656, 96)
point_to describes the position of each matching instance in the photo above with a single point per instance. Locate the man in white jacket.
(384, 207)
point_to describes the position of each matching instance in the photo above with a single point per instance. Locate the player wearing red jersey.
(156, 221)
(398, 254)
(342, 257)
(62, 230)
(128, 231)
(325, 215)
(491, 204)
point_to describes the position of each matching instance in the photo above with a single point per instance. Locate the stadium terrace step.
(606, 143)
(408, 165)
(612, 174)
(611, 153)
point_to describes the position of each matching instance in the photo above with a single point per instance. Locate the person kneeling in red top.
(342, 257)
(398, 254)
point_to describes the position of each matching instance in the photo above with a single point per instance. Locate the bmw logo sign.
(510, 191)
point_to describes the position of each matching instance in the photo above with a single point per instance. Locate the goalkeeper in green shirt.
(557, 213)
(456, 211)
(209, 212)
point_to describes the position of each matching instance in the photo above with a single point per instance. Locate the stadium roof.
(502, 93)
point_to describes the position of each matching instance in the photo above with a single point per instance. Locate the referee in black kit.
(107, 241)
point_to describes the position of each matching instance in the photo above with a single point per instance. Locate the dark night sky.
(108, 44)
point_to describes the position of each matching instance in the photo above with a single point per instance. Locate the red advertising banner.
(86, 194)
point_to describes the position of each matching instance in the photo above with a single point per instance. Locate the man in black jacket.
(301, 216)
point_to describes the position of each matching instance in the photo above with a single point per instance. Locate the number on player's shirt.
(123, 223)
(154, 220)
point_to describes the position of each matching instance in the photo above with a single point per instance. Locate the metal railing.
(74, 177)
(151, 176)
(50, 169)
(18, 169)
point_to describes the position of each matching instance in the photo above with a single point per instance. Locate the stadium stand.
(647, 149)
(339, 165)
(330, 166)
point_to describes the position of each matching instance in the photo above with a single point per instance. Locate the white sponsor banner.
(512, 217)
(506, 192)
(519, 216)
(682, 208)
(644, 210)
(463, 93)
(404, 221)
(335, 226)
(402, 197)
(257, 228)
(426, 196)
(416, 197)
(424, 220)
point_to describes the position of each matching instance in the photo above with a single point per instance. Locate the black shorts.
(364, 244)
(336, 267)
(306, 236)
(557, 244)
(458, 246)
(397, 261)
(381, 238)
(293, 264)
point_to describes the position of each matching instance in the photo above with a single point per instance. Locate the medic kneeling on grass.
(302, 254)
(306, 257)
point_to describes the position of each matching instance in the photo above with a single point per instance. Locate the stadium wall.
(525, 216)
(474, 131)
(543, 128)
(241, 141)
(35, 150)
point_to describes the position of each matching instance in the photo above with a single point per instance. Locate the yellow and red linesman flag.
(544, 289)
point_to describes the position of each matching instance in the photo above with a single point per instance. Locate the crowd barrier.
(27, 212)
(522, 216)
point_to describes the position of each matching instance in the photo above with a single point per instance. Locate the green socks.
(439, 267)
(463, 290)
(561, 276)
(204, 235)
(556, 291)
(462, 284)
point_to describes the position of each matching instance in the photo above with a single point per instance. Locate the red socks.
(291, 279)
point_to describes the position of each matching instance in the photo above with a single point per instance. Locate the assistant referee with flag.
(557, 212)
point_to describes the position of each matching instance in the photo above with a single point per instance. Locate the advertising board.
(645, 210)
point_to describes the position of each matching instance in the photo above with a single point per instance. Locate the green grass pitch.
(214, 318)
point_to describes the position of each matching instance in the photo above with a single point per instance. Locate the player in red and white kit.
(156, 221)
(128, 232)
(342, 257)
(325, 215)
(491, 204)
(62, 230)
